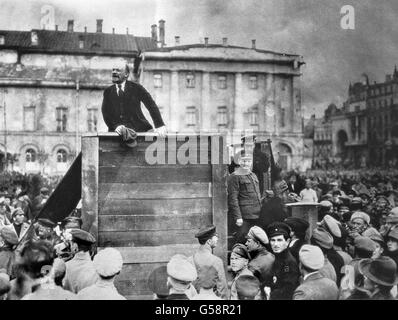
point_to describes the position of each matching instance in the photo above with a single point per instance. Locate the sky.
(334, 57)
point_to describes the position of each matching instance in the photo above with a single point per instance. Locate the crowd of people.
(351, 252)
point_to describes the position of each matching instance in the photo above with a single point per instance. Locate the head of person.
(365, 199)
(335, 186)
(292, 179)
(157, 282)
(207, 236)
(379, 274)
(44, 191)
(247, 287)
(308, 183)
(108, 263)
(378, 239)
(321, 238)
(364, 247)
(36, 258)
(279, 235)
(18, 216)
(342, 210)
(44, 228)
(256, 239)
(392, 240)
(298, 227)
(120, 72)
(239, 257)
(180, 273)
(311, 259)
(392, 218)
(359, 221)
(245, 160)
(82, 239)
(356, 204)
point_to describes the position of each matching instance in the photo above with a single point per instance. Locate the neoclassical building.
(52, 81)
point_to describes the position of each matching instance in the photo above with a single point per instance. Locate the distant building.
(221, 87)
(364, 132)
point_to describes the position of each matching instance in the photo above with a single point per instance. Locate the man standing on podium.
(121, 107)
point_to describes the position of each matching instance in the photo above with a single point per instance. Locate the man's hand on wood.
(161, 131)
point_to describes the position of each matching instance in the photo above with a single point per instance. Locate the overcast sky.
(311, 28)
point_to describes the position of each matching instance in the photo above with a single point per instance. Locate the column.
(206, 110)
(174, 108)
(238, 123)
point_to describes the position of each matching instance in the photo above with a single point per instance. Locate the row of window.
(382, 90)
(221, 81)
(31, 156)
(61, 117)
(380, 103)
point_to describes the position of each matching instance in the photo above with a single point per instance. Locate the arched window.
(30, 155)
(61, 156)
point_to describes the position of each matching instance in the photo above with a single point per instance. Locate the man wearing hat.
(247, 287)
(181, 273)
(380, 277)
(298, 229)
(44, 230)
(391, 222)
(108, 264)
(20, 227)
(244, 198)
(285, 272)
(204, 258)
(261, 260)
(80, 271)
(360, 225)
(326, 207)
(392, 245)
(7, 253)
(324, 240)
(39, 201)
(63, 247)
(314, 286)
(207, 281)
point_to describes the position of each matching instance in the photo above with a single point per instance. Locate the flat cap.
(181, 269)
(326, 204)
(364, 244)
(322, 238)
(9, 235)
(393, 234)
(247, 287)
(108, 262)
(277, 229)
(206, 232)
(344, 208)
(258, 234)
(157, 281)
(46, 222)
(17, 211)
(297, 224)
(208, 277)
(311, 257)
(44, 190)
(331, 225)
(2, 200)
(393, 216)
(362, 215)
(79, 235)
(241, 250)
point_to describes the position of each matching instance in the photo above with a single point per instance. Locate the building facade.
(224, 88)
(51, 86)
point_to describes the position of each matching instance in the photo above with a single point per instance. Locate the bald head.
(120, 72)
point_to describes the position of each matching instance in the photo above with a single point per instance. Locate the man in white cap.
(261, 259)
(180, 273)
(314, 285)
(108, 264)
(360, 225)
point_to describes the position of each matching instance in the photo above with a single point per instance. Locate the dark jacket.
(244, 201)
(261, 264)
(285, 276)
(295, 248)
(316, 287)
(337, 261)
(127, 110)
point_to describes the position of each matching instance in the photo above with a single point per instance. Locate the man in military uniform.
(285, 271)
(207, 281)
(80, 271)
(261, 260)
(204, 258)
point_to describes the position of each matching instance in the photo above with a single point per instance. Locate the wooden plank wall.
(151, 212)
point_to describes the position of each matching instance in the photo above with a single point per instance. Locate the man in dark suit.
(121, 105)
